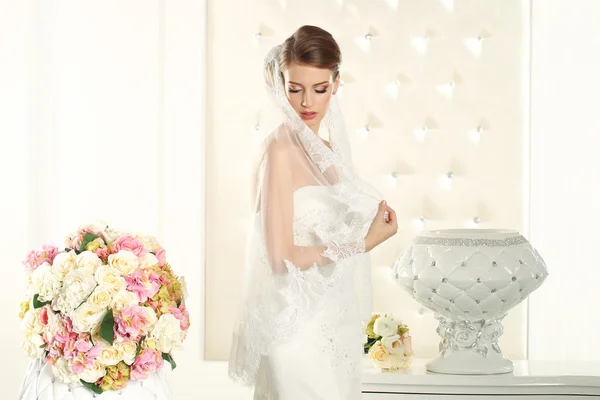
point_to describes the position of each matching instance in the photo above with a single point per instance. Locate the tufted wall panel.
(434, 103)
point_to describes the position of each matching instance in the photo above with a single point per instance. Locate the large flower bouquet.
(104, 310)
(389, 343)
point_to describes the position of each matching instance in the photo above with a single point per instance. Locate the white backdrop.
(102, 117)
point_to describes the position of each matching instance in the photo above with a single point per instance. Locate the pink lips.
(308, 115)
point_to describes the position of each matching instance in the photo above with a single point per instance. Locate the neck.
(315, 129)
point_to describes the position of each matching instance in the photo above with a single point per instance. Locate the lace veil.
(286, 283)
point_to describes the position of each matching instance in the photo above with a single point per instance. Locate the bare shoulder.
(278, 146)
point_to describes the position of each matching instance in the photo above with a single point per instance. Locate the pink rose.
(103, 253)
(142, 285)
(129, 243)
(134, 321)
(407, 342)
(182, 315)
(145, 363)
(37, 257)
(44, 316)
(161, 255)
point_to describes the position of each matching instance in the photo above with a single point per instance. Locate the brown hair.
(310, 45)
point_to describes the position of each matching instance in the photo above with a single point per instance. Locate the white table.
(531, 380)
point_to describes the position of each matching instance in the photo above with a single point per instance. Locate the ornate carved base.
(470, 348)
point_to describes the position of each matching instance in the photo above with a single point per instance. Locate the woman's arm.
(277, 209)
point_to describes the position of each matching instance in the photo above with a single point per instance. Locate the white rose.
(124, 261)
(32, 345)
(110, 278)
(111, 235)
(89, 260)
(149, 242)
(149, 260)
(86, 317)
(91, 374)
(110, 355)
(167, 333)
(101, 297)
(61, 370)
(45, 283)
(31, 321)
(64, 263)
(385, 326)
(393, 344)
(123, 299)
(128, 350)
(77, 286)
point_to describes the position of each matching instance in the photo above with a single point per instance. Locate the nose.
(307, 100)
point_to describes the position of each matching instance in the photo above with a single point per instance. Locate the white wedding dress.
(40, 384)
(321, 361)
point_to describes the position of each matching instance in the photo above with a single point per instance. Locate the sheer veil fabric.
(309, 272)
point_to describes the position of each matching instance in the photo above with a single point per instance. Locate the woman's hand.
(382, 228)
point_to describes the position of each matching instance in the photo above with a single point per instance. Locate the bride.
(307, 285)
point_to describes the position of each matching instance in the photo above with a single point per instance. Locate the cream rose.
(124, 261)
(128, 350)
(77, 286)
(32, 345)
(94, 372)
(54, 325)
(45, 283)
(64, 263)
(101, 297)
(110, 278)
(379, 356)
(86, 317)
(123, 299)
(149, 260)
(61, 370)
(167, 333)
(149, 242)
(385, 326)
(89, 260)
(31, 321)
(110, 355)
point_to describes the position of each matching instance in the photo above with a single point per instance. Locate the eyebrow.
(316, 84)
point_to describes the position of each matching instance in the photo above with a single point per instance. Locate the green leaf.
(92, 386)
(167, 357)
(86, 239)
(107, 328)
(37, 303)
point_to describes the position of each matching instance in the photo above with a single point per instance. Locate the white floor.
(212, 383)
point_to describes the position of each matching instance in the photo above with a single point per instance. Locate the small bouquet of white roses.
(389, 344)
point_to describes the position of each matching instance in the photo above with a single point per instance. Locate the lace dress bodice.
(313, 209)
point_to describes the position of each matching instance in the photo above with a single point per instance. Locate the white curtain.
(101, 117)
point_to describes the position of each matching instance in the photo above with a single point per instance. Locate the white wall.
(565, 167)
(101, 117)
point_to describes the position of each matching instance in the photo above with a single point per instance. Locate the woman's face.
(309, 90)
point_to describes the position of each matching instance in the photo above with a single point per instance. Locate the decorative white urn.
(41, 384)
(470, 279)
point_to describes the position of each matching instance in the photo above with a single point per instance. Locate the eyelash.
(318, 91)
